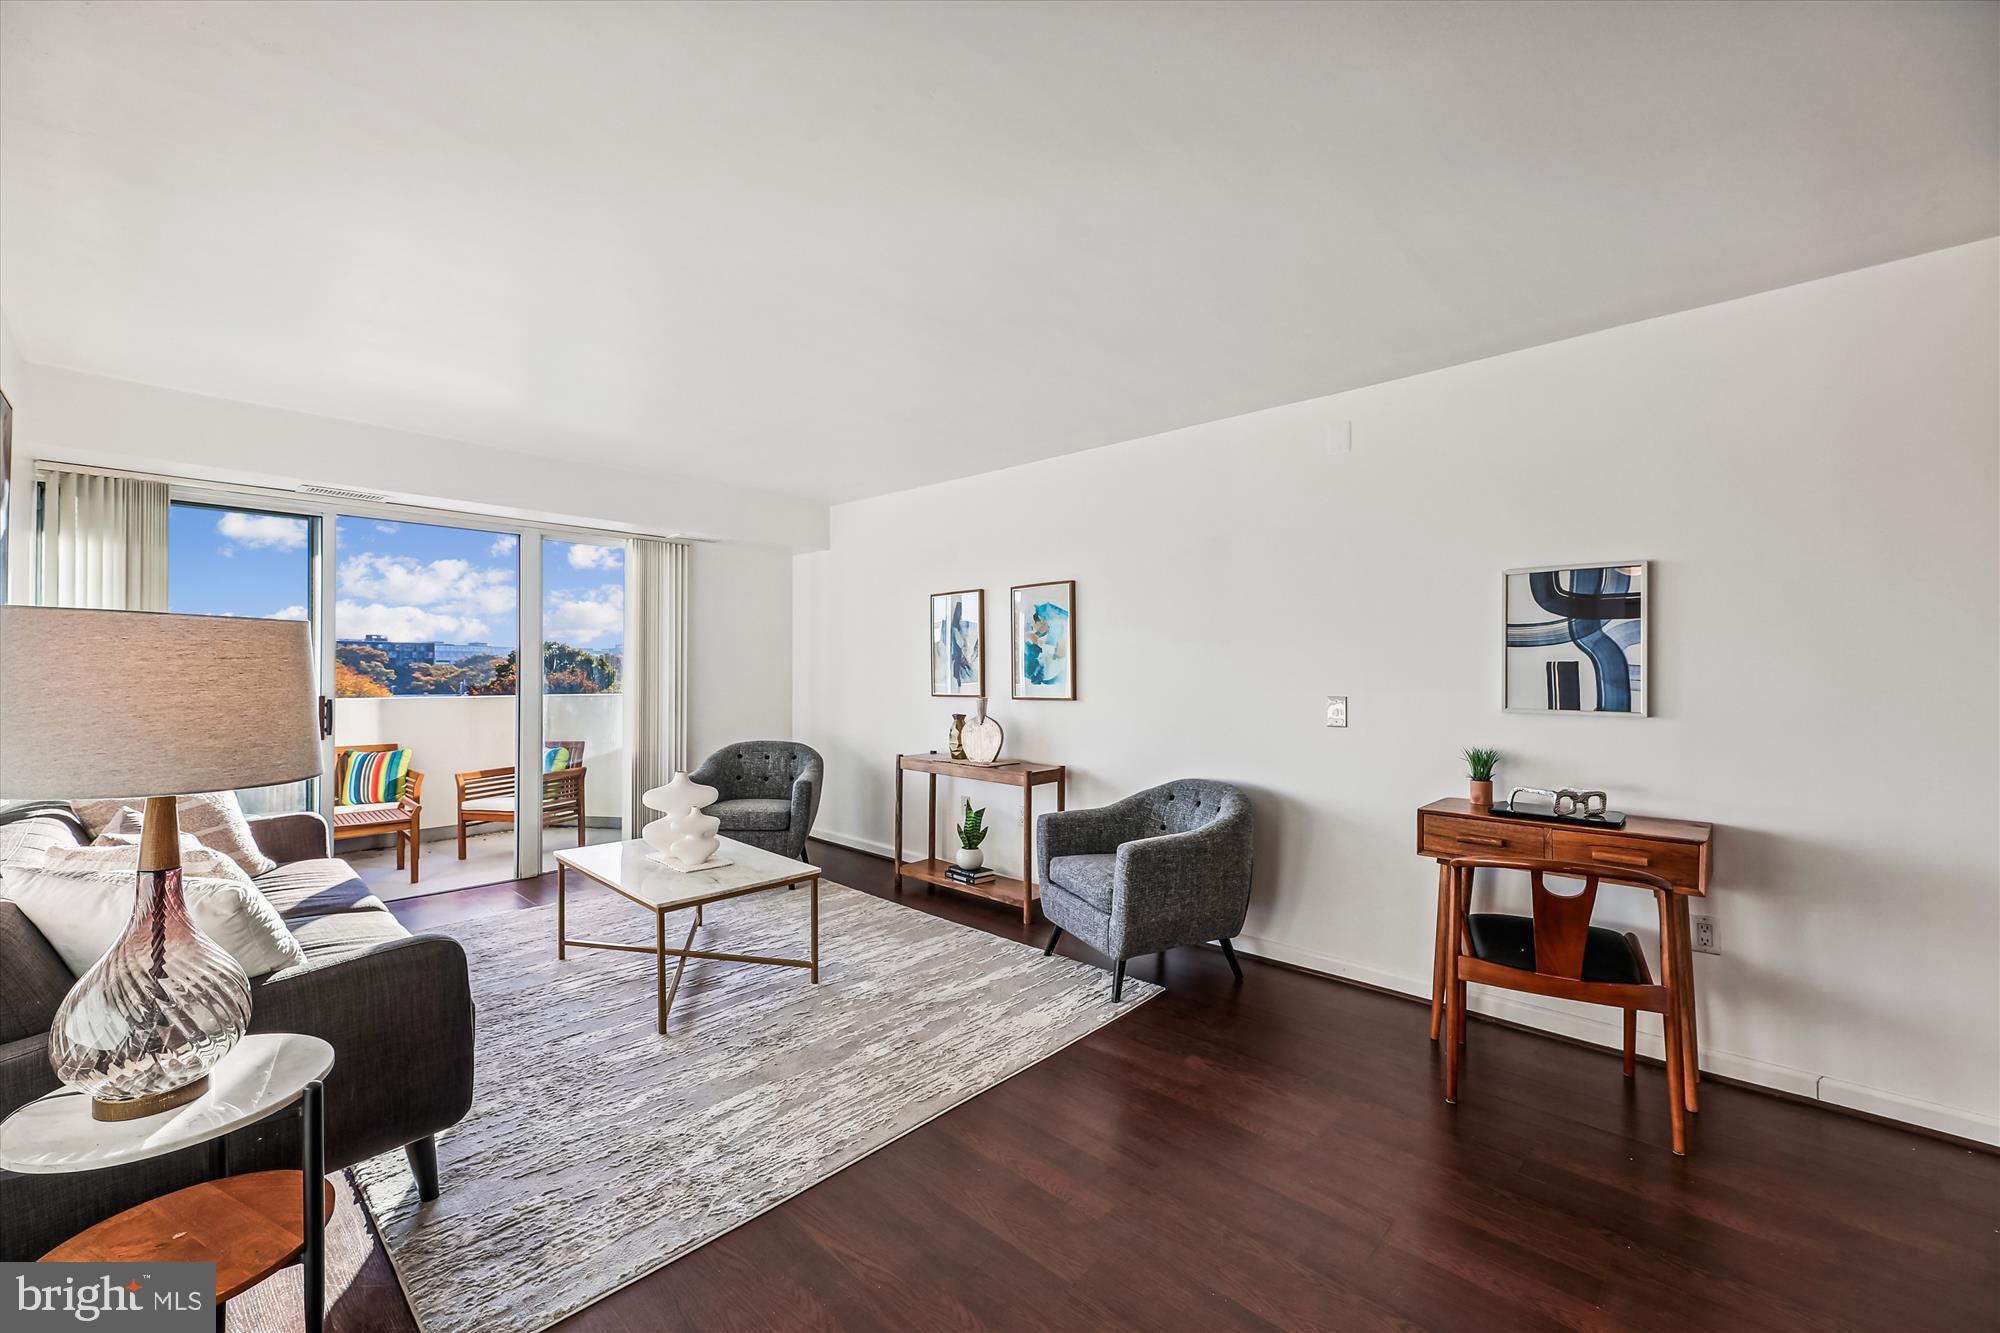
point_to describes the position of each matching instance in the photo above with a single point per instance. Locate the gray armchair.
(1162, 868)
(769, 793)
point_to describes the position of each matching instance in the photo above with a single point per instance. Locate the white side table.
(266, 1073)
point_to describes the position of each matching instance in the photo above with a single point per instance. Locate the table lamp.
(113, 704)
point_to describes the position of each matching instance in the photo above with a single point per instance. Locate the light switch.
(1336, 710)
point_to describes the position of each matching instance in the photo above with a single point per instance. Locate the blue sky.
(402, 580)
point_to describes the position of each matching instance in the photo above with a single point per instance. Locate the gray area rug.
(604, 1150)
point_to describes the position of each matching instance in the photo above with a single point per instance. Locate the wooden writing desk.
(1677, 850)
(931, 870)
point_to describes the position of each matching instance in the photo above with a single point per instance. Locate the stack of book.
(959, 874)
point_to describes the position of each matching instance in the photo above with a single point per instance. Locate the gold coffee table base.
(658, 948)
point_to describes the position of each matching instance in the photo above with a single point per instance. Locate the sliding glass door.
(260, 563)
(583, 706)
(427, 658)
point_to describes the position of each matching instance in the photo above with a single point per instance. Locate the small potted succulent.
(971, 832)
(1479, 766)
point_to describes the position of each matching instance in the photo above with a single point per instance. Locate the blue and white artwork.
(1576, 639)
(958, 649)
(1044, 621)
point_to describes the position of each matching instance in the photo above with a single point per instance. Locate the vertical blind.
(656, 619)
(103, 543)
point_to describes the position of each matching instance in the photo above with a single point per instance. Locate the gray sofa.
(396, 1007)
(1164, 867)
(769, 793)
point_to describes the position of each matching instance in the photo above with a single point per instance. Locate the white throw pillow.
(25, 843)
(120, 852)
(82, 912)
(215, 818)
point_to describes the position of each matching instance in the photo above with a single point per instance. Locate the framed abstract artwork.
(1577, 637)
(1043, 616)
(958, 647)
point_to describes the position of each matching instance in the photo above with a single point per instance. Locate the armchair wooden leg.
(1631, 1039)
(1117, 980)
(416, 849)
(461, 839)
(1055, 933)
(401, 850)
(1230, 954)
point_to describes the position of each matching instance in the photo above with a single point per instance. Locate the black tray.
(1543, 814)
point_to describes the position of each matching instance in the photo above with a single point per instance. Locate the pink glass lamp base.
(146, 1023)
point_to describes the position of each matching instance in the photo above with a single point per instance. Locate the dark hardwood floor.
(1279, 1155)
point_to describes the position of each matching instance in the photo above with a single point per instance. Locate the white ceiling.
(840, 249)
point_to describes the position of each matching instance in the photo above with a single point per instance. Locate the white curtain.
(104, 542)
(655, 668)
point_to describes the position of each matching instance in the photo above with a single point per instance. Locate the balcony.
(448, 734)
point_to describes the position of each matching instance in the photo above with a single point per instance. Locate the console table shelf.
(932, 870)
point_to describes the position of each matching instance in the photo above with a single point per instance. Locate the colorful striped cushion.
(555, 758)
(372, 777)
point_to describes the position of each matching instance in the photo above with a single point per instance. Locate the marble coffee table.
(628, 870)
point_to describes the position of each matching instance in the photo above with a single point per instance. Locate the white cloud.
(286, 534)
(504, 544)
(288, 613)
(357, 619)
(388, 527)
(590, 618)
(450, 586)
(596, 557)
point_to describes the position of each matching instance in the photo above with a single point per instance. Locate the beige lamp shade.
(106, 704)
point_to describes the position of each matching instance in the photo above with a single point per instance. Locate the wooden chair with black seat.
(1557, 952)
(489, 795)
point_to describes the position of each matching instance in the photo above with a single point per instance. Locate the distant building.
(458, 652)
(401, 652)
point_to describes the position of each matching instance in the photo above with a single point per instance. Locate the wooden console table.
(1677, 850)
(931, 870)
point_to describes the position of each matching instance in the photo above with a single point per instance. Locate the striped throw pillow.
(372, 777)
(555, 758)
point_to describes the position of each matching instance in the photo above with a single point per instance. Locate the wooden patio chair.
(488, 795)
(402, 818)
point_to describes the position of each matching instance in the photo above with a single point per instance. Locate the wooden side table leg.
(1441, 928)
(1690, 1048)
(896, 866)
(930, 823)
(1028, 855)
(312, 1116)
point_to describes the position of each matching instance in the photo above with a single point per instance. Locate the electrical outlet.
(1336, 710)
(1703, 932)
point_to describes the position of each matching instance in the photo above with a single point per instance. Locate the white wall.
(1812, 473)
(740, 656)
(87, 419)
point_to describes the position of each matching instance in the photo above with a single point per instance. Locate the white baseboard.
(1607, 1033)
(1911, 1110)
(854, 842)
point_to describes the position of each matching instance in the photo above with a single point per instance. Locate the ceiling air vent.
(342, 493)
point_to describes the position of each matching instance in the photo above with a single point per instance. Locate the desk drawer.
(1447, 836)
(1678, 863)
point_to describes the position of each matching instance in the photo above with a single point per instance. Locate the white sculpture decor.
(683, 838)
